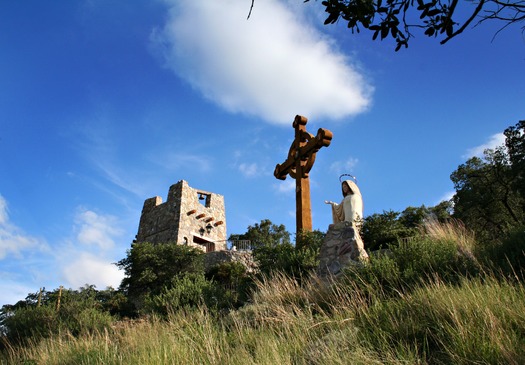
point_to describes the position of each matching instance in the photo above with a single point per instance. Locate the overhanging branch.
(466, 24)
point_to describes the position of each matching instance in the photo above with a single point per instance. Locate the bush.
(306, 240)
(231, 285)
(285, 258)
(79, 313)
(23, 324)
(414, 261)
(79, 320)
(185, 291)
(150, 268)
(508, 256)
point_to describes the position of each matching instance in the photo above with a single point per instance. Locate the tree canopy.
(380, 230)
(264, 233)
(149, 267)
(490, 191)
(398, 19)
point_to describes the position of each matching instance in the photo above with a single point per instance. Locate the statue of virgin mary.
(350, 209)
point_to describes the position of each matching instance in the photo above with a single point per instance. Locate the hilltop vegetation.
(449, 289)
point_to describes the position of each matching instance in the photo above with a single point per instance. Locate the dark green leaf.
(384, 32)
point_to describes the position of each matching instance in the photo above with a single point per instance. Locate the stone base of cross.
(301, 158)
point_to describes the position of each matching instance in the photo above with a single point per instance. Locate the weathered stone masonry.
(183, 219)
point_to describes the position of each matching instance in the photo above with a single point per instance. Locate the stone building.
(189, 216)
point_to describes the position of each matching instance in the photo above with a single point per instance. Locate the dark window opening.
(208, 245)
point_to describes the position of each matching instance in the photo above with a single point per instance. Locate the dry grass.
(473, 321)
(453, 230)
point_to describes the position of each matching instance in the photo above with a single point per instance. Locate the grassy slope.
(471, 321)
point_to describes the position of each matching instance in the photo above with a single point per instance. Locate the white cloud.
(3, 210)
(87, 268)
(343, 167)
(96, 230)
(273, 65)
(249, 169)
(88, 257)
(176, 161)
(494, 141)
(286, 186)
(12, 291)
(13, 241)
(97, 144)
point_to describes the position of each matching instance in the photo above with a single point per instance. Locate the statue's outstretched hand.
(329, 202)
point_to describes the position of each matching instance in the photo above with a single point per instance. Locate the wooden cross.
(301, 158)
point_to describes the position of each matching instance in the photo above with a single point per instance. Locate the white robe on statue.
(350, 210)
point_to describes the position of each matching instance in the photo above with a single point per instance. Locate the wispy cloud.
(494, 141)
(84, 256)
(13, 241)
(273, 65)
(344, 166)
(176, 161)
(88, 257)
(3, 210)
(249, 169)
(88, 268)
(285, 186)
(96, 142)
(11, 291)
(17, 251)
(96, 230)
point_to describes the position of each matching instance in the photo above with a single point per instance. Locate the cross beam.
(301, 158)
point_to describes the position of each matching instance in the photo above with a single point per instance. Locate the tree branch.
(466, 24)
(251, 8)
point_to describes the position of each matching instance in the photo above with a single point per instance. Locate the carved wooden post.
(301, 158)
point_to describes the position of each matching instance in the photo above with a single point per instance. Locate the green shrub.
(423, 257)
(231, 285)
(410, 263)
(78, 320)
(309, 240)
(32, 323)
(185, 291)
(508, 256)
(23, 324)
(285, 258)
(150, 268)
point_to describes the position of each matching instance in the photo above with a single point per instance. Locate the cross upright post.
(301, 158)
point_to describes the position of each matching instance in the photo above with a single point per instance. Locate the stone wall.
(244, 257)
(183, 219)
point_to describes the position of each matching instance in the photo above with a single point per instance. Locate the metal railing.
(241, 245)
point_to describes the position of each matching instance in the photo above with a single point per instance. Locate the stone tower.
(189, 217)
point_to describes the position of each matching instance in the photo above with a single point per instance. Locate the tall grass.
(479, 321)
(468, 320)
(453, 231)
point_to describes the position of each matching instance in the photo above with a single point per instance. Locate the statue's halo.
(352, 176)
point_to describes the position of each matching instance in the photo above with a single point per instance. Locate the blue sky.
(105, 104)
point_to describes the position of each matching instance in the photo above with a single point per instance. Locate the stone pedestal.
(342, 247)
